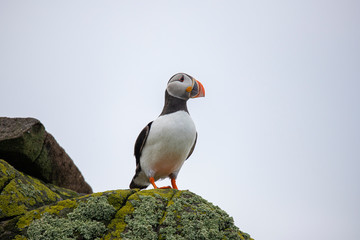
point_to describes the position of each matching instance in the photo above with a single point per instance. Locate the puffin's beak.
(198, 89)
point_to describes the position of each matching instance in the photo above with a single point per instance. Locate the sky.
(278, 132)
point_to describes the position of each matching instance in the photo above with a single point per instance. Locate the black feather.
(193, 147)
(173, 104)
(139, 145)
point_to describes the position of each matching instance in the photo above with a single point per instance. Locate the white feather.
(167, 146)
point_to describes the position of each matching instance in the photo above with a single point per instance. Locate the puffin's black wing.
(193, 147)
(139, 145)
(140, 142)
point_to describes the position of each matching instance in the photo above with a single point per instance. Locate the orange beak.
(198, 89)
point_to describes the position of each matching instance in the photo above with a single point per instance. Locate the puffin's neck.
(173, 104)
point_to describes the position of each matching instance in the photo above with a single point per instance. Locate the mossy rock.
(128, 214)
(27, 146)
(21, 144)
(41, 210)
(20, 193)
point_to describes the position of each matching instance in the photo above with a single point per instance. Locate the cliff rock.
(25, 144)
(33, 210)
(33, 207)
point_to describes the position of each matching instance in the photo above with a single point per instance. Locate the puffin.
(165, 143)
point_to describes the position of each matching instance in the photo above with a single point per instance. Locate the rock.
(127, 214)
(34, 207)
(20, 193)
(25, 144)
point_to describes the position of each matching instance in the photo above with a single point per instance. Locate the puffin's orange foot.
(173, 183)
(152, 181)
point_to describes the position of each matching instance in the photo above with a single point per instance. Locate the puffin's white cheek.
(178, 91)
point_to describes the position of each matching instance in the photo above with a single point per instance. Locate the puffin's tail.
(134, 185)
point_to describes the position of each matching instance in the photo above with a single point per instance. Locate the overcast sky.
(279, 135)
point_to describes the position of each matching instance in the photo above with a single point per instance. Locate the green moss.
(63, 192)
(24, 193)
(120, 201)
(7, 173)
(163, 193)
(118, 198)
(62, 208)
(115, 198)
(26, 219)
(19, 237)
(86, 220)
(21, 193)
(11, 200)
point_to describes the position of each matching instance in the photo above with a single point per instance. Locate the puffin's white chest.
(168, 144)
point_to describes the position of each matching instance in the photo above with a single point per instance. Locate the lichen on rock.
(189, 216)
(86, 221)
(144, 221)
(21, 193)
(129, 214)
(179, 215)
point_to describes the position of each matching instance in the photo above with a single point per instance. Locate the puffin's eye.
(182, 78)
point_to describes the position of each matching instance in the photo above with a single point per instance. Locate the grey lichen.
(86, 221)
(143, 223)
(182, 216)
(127, 214)
(95, 208)
(191, 217)
(51, 227)
(28, 190)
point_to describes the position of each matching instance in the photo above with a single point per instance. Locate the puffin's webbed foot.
(152, 181)
(173, 184)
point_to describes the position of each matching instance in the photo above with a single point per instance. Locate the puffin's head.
(184, 86)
